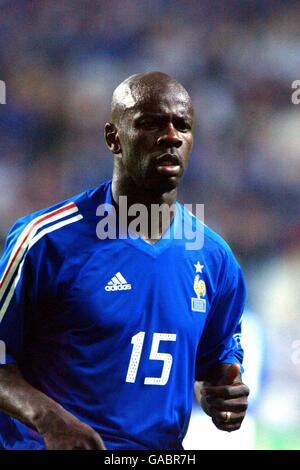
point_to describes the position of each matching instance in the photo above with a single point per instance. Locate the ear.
(112, 138)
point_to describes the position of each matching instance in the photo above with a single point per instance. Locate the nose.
(170, 137)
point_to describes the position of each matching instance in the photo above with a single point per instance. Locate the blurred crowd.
(61, 59)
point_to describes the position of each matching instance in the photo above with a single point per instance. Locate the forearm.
(60, 429)
(22, 401)
(223, 396)
(200, 398)
(216, 375)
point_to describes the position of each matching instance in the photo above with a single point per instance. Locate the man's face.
(156, 138)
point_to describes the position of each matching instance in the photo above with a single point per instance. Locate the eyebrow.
(146, 114)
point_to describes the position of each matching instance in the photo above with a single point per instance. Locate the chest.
(118, 288)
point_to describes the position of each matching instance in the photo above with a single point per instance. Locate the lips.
(168, 159)
(168, 164)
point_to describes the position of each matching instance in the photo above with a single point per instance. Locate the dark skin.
(59, 428)
(223, 391)
(159, 120)
(150, 135)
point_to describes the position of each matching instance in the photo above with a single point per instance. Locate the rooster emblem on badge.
(198, 304)
(199, 287)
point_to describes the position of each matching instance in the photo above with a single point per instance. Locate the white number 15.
(138, 341)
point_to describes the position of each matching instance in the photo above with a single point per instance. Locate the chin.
(163, 185)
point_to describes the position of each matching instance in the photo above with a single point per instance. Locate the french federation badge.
(199, 304)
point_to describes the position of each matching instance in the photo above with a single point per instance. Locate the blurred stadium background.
(61, 59)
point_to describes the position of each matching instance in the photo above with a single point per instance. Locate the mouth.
(168, 164)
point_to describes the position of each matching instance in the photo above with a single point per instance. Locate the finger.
(99, 446)
(226, 391)
(231, 374)
(236, 405)
(221, 417)
(97, 443)
(227, 427)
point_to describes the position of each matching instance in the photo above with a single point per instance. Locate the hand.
(63, 431)
(226, 402)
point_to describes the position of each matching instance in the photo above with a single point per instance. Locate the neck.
(124, 186)
(138, 195)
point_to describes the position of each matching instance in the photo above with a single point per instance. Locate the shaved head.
(139, 88)
(151, 122)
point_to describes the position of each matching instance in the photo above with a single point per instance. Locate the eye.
(148, 124)
(182, 125)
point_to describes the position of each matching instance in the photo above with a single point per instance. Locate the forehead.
(163, 100)
(175, 107)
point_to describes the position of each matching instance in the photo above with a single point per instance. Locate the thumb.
(231, 374)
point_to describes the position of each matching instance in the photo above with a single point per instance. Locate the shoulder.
(214, 251)
(222, 255)
(212, 242)
(57, 222)
(217, 244)
(46, 220)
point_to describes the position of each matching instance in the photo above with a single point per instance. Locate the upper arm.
(15, 275)
(220, 342)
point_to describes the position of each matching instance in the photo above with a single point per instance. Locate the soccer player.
(105, 336)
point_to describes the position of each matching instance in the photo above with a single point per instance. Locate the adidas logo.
(118, 282)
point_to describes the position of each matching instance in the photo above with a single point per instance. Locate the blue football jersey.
(116, 330)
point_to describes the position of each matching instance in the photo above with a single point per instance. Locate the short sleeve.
(14, 279)
(221, 338)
